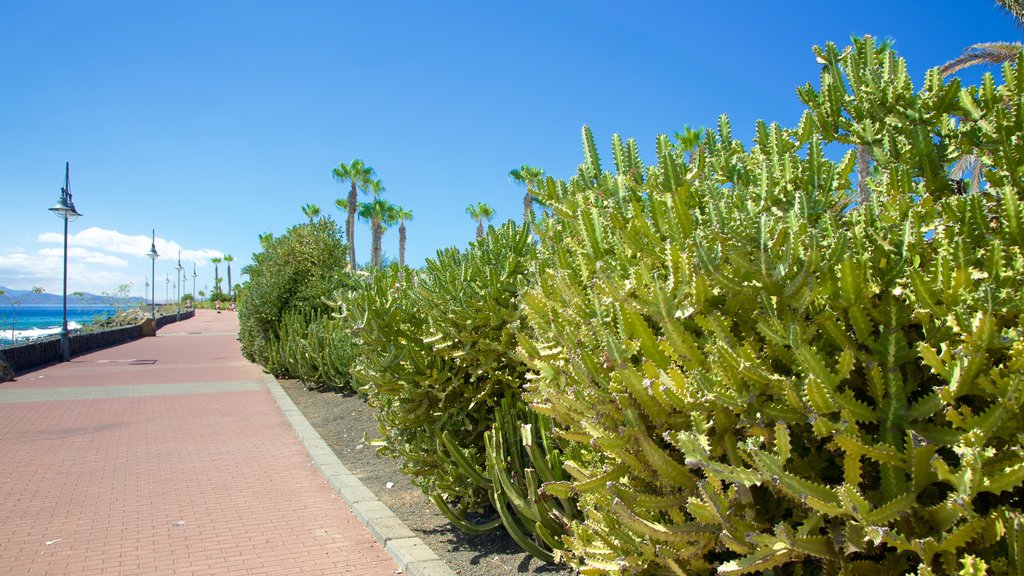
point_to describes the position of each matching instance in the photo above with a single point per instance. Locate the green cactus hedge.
(755, 376)
(440, 356)
(315, 347)
(438, 361)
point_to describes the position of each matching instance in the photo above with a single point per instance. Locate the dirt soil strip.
(348, 427)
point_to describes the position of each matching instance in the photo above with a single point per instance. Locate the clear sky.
(214, 121)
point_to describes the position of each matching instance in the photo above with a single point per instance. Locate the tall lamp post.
(167, 288)
(65, 209)
(153, 256)
(194, 276)
(177, 284)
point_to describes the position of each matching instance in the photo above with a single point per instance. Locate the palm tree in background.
(528, 176)
(216, 273)
(479, 214)
(379, 213)
(359, 175)
(402, 215)
(228, 258)
(311, 211)
(990, 52)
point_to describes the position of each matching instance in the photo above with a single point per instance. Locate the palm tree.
(402, 215)
(359, 175)
(529, 176)
(229, 259)
(990, 52)
(216, 273)
(311, 211)
(479, 213)
(379, 213)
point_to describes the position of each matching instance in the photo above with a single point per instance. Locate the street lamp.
(167, 288)
(194, 276)
(153, 256)
(177, 284)
(65, 209)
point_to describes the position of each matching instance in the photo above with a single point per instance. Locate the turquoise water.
(29, 322)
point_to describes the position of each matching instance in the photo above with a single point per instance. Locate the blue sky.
(215, 121)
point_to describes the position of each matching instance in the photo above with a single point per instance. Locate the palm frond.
(1014, 8)
(984, 53)
(969, 166)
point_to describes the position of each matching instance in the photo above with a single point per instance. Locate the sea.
(29, 322)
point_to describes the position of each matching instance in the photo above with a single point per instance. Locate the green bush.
(297, 272)
(759, 378)
(315, 347)
(437, 360)
(439, 356)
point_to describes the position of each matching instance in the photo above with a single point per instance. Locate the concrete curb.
(411, 554)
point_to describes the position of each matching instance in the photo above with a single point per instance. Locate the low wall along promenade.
(44, 351)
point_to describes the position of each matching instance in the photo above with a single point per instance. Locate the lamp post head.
(152, 248)
(179, 267)
(65, 206)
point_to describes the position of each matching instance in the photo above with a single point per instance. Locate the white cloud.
(89, 256)
(134, 245)
(99, 260)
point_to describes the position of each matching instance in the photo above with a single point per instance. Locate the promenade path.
(166, 455)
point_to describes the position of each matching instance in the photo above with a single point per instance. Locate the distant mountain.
(30, 298)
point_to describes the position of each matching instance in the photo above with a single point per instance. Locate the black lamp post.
(65, 209)
(153, 256)
(194, 276)
(177, 285)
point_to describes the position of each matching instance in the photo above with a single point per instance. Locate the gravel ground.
(347, 424)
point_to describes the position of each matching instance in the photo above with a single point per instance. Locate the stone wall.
(43, 351)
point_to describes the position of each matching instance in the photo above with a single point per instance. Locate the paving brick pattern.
(183, 479)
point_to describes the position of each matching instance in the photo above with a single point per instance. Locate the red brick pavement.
(210, 482)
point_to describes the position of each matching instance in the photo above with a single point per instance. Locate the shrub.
(299, 271)
(437, 360)
(439, 356)
(757, 378)
(315, 347)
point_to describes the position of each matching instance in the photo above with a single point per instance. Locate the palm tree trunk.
(350, 226)
(401, 246)
(479, 229)
(378, 232)
(229, 281)
(216, 275)
(863, 172)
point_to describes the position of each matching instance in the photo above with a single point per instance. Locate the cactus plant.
(524, 478)
(440, 356)
(757, 379)
(438, 361)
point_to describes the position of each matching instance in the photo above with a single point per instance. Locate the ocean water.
(37, 321)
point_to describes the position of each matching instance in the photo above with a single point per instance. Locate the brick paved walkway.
(166, 455)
